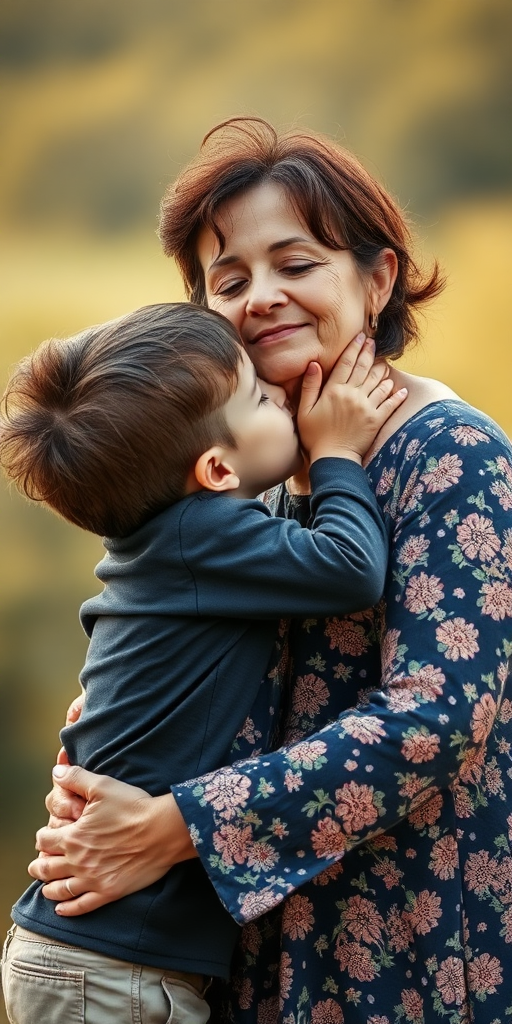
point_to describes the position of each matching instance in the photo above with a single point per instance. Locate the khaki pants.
(50, 982)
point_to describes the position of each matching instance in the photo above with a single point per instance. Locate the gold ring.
(67, 883)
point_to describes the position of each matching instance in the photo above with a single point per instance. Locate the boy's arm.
(247, 564)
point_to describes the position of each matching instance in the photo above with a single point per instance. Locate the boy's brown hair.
(105, 427)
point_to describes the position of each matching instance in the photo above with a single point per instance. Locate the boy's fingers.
(377, 374)
(355, 362)
(311, 387)
(388, 405)
(380, 391)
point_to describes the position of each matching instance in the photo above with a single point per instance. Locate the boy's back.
(162, 705)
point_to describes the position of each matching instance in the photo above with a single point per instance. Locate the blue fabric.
(371, 856)
(181, 638)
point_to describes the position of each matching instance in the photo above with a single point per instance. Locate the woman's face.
(292, 299)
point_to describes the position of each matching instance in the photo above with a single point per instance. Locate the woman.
(377, 849)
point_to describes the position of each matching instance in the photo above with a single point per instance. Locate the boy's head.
(111, 426)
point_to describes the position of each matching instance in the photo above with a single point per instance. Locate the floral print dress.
(369, 858)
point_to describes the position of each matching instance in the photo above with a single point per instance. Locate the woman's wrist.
(175, 836)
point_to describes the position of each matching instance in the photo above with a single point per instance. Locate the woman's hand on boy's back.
(104, 838)
(124, 840)
(343, 417)
(63, 805)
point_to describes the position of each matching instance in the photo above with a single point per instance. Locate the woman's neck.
(422, 391)
(299, 484)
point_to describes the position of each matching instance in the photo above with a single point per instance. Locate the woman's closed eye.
(294, 269)
(263, 398)
(230, 288)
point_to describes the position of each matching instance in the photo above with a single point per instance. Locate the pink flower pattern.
(385, 895)
(423, 593)
(458, 638)
(477, 538)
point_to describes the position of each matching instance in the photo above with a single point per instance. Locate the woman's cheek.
(333, 336)
(337, 330)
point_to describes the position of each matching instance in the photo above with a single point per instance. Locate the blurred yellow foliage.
(102, 105)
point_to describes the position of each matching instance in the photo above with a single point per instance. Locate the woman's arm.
(446, 644)
(448, 636)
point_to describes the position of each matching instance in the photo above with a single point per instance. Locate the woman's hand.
(343, 417)
(123, 841)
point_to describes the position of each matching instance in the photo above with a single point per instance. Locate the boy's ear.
(214, 470)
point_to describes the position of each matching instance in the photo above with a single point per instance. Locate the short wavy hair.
(340, 202)
(104, 427)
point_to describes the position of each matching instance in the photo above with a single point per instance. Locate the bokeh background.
(101, 106)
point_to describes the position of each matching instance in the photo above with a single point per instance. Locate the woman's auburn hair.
(340, 202)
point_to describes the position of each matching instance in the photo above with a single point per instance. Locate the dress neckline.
(441, 402)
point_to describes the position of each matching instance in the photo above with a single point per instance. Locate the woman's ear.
(215, 472)
(382, 280)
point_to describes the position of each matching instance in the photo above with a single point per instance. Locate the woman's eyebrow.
(289, 241)
(223, 261)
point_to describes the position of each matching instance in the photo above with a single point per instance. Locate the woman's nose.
(263, 294)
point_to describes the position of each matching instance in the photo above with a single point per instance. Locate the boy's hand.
(343, 418)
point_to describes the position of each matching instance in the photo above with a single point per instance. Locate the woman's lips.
(276, 334)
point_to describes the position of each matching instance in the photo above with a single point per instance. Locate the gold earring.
(373, 321)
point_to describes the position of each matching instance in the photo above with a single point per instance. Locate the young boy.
(154, 431)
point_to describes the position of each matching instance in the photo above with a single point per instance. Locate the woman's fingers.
(123, 841)
(83, 905)
(72, 895)
(63, 805)
(63, 888)
(75, 709)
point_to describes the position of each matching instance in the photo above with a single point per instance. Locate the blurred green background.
(101, 106)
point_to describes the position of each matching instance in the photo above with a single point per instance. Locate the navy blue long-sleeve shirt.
(180, 639)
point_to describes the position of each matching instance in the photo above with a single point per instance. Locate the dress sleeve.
(266, 826)
(273, 567)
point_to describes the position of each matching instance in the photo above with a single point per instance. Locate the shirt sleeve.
(273, 567)
(266, 826)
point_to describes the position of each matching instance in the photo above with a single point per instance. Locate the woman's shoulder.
(445, 454)
(431, 410)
